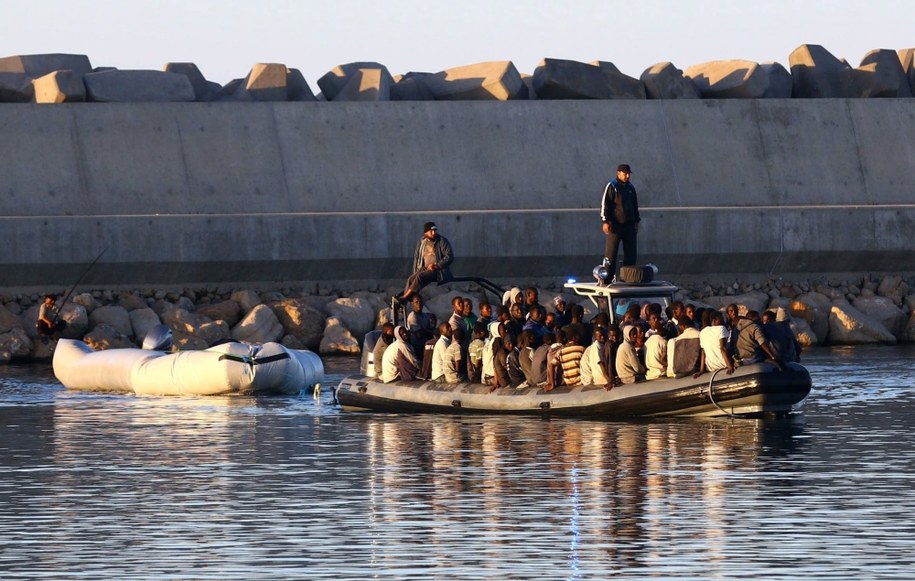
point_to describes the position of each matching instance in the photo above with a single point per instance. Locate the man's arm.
(447, 256)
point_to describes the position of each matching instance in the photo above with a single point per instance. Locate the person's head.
(577, 311)
(486, 310)
(516, 295)
(559, 303)
(526, 339)
(732, 312)
(684, 323)
(549, 338)
(636, 336)
(467, 307)
(768, 317)
(623, 171)
(402, 333)
(430, 230)
(516, 311)
(387, 332)
(676, 309)
(531, 296)
(613, 334)
(502, 314)
(572, 337)
(782, 315)
(753, 316)
(458, 334)
(417, 303)
(601, 319)
(50, 299)
(633, 312)
(536, 313)
(550, 320)
(654, 321)
(706, 317)
(457, 305)
(479, 331)
(508, 341)
(690, 311)
(714, 317)
(444, 330)
(600, 334)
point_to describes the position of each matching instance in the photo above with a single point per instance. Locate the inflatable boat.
(757, 389)
(228, 369)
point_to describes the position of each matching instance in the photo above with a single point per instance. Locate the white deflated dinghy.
(227, 369)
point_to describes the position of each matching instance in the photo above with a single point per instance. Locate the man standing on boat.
(431, 260)
(619, 212)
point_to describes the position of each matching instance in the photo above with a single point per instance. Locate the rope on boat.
(712, 397)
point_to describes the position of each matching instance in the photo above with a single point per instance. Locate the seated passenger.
(673, 321)
(516, 376)
(553, 366)
(452, 363)
(387, 338)
(563, 316)
(500, 361)
(492, 344)
(420, 324)
(526, 342)
(470, 318)
(398, 361)
(655, 348)
(628, 364)
(751, 343)
(594, 368)
(535, 325)
(683, 351)
(457, 313)
(475, 354)
(782, 338)
(531, 300)
(569, 359)
(516, 322)
(539, 360)
(485, 314)
(713, 340)
(577, 326)
(438, 352)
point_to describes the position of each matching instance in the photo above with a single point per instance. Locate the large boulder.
(493, 80)
(297, 88)
(337, 339)
(335, 80)
(132, 301)
(104, 336)
(300, 322)
(8, 320)
(356, 314)
(803, 333)
(816, 73)
(894, 287)
(77, 319)
(567, 79)
(816, 314)
(779, 81)
(39, 65)
(665, 81)
(411, 87)
(246, 299)
(259, 326)
(14, 344)
(880, 74)
(142, 321)
(59, 87)
(849, 326)
(884, 311)
(621, 86)
(751, 301)
(114, 316)
(907, 60)
(121, 86)
(908, 334)
(264, 82)
(87, 301)
(228, 311)
(729, 79)
(203, 90)
(15, 88)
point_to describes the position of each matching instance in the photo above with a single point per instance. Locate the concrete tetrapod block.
(265, 82)
(38, 65)
(665, 81)
(881, 75)
(15, 88)
(816, 73)
(621, 86)
(59, 87)
(730, 79)
(122, 86)
(567, 79)
(338, 77)
(366, 85)
(202, 89)
(411, 87)
(907, 60)
(779, 81)
(297, 88)
(491, 80)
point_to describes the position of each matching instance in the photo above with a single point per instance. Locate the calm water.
(98, 486)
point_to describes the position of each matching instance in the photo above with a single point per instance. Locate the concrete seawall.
(299, 192)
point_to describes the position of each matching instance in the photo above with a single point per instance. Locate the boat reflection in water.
(620, 489)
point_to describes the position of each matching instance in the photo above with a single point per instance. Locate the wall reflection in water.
(617, 492)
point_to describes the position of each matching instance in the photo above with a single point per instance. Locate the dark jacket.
(620, 204)
(443, 256)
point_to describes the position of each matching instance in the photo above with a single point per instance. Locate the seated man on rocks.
(431, 262)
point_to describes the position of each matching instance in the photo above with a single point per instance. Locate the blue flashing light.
(571, 281)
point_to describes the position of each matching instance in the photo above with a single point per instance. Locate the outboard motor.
(367, 365)
(159, 338)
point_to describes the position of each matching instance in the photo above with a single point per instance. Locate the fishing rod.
(76, 284)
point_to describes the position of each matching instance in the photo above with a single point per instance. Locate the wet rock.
(665, 81)
(816, 73)
(59, 87)
(803, 333)
(258, 326)
(893, 287)
(849, 326)
(729, 79)
(881, 75)
(493, 80)
(334, 81)
(337, 339)
(114, 316)
(123, 86)
(14, 344)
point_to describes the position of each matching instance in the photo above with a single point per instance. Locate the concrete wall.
(262, 192)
